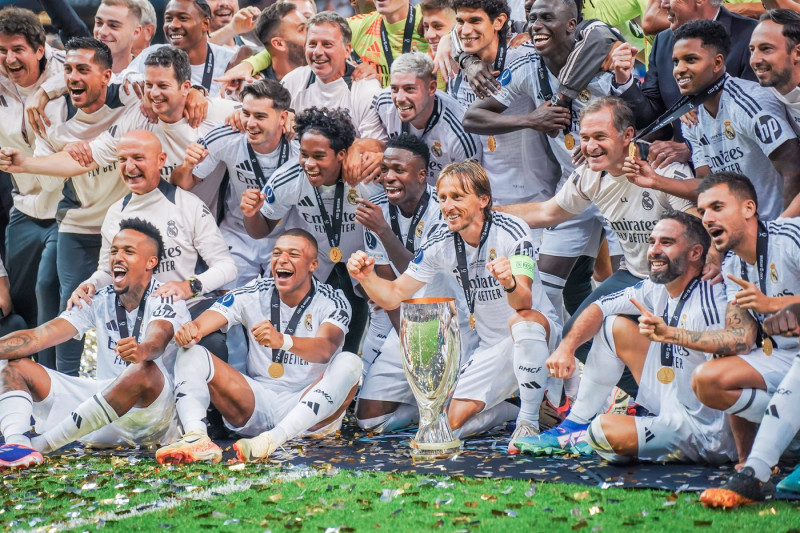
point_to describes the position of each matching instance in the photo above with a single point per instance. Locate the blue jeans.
(77, 260)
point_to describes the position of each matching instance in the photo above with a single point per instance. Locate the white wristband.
(287, 343)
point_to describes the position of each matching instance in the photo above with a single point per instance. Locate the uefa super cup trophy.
(431, 342)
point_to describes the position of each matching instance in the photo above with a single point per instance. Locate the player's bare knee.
(707, 383)
(622, 438)
(16, 375)
(367, 409)
(462, 410)
(530, 315)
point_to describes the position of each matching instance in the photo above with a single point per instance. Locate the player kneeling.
(131, 401)
(298, 381)
(674, 295)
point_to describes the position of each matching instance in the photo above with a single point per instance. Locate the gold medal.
(666, 375)
(767, 346)
(335, 254)
(472, 321)
(275, 370)
(632, 150)
(492, 143)
(569, 141)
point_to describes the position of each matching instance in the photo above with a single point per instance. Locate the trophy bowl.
(431, 343)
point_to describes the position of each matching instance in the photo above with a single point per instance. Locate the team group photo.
(540, 234)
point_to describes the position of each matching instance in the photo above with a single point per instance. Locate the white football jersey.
(101, 314)
(36, 196)
(508, 236)
(750, 124)
(444, 133)
(629, 210)
(519, 163)
(356, 97)
(193, 244)
(291, 198)
(704, 310)
(791, 101)
(250, 305)
(783, 274)
(86, 196)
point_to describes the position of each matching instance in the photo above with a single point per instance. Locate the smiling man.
(298, 381)
(311, 195)
(413, 105)
(186, 24)
(491, 257)
(681, 428)
(131, 401)
(118, 24)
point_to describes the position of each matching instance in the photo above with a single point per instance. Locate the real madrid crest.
(420, 227)
(492, 255)
(730, 133)
(309, 325)
(584, 96)
(351, 196)
(172, 228)
(437, 148)
(773, 273)
(647, 201)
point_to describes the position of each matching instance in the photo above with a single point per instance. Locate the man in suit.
(659, 91)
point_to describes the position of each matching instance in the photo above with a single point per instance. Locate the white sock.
(530, 354)
(780, 424)
(16, 408)
(554, 289)
(487, 419)
(194, 368)
(404, 416)
(601, 373)
(750, 405)
(596, 437)
(572, 384)
(323, 400)
(89, 416)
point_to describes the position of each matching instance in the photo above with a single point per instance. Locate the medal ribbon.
(422, 206)
(283, 157)
(408, 34)
(122, 318)
(275, 317)
(463, 268)
(680, 108)
(432, 120)
(208, 72)
(762, 245)
(333, 227)
(667, 357)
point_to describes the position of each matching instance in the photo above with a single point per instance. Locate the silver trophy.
(431, 342)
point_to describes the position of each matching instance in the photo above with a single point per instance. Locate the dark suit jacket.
(651, 99)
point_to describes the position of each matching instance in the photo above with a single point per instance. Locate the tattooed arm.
(29, 341)
(738, 337)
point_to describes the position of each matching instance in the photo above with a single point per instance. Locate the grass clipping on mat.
(101, 491)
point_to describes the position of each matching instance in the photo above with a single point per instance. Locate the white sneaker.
(259, 447)
(524, 429)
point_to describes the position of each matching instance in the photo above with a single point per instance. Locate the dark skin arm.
(371, 216)
(29, 341)
(157, 337)
(486, 117)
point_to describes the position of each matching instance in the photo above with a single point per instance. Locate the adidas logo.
(111, 325)
(245, 166)
(531, 385)
(313, 406)
(648, 435)
(78, 419)
(306, 202)
(772, 410)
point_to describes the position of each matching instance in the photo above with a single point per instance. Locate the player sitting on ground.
(131, 401)
(297, 381)
(683, 428)
(492, 256)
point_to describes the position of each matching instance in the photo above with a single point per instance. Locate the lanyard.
(275, 316)
(545, 91)
(333, 226)
(422, 206)
(666, 348)
(257, 170)
(432, 120)
(208, 72)
(122, 317)
(762, 245)
(408, 34)
(463, 268)
(679, 108)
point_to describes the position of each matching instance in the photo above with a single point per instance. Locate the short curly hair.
(333, 124)
(18, 21)
(146, 228)
(493, 8)
(411, 143)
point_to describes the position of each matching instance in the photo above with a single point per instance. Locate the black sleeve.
(594, 42)
(65, 19)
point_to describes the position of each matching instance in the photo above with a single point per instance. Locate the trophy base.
(430, 451)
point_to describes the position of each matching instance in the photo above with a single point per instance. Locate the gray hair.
(334, 18)
(419, 64)
(622, 115)
(148, 13)
(715, 3)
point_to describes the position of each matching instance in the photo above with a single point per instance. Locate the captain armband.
(522, 265)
